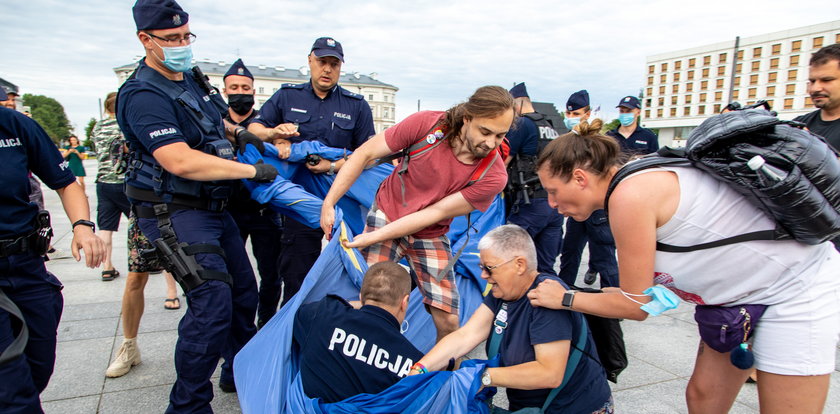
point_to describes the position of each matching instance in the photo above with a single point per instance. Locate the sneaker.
(590, 276)
(127, 357)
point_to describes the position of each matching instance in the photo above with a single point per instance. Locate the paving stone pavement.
(661, 349)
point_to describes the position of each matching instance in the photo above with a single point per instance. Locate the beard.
(478, 151)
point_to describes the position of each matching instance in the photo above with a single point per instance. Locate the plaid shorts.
(137, 242)
(426, 257)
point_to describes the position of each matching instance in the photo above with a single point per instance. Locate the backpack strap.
(571, 365)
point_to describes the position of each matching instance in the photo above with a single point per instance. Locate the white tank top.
(754, 272)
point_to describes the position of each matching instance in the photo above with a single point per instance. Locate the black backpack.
(805, 204)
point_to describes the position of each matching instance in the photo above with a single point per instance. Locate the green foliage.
(50, 115)
(88, 134)
(610, 125)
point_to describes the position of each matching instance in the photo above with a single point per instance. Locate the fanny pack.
(727, 329)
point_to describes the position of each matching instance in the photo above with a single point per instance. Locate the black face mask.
(241, 103)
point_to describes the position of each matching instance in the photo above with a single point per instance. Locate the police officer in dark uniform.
(318, 110)
(30, 296)
(527, 199)
(595, 230)
(253, 219)
(632, 138)
(178, 183)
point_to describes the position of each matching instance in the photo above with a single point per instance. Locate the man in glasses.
(178, 184)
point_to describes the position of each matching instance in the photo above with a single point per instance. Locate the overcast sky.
(435, 51)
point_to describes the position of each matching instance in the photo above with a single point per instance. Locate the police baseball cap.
(327, 46)
(631, 102)
(159, 14)
(579, 99)
(238, 68)
(519, 91)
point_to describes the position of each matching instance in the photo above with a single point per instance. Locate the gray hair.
(509, 241)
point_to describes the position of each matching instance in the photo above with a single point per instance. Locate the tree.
(88, 132)
(611, 125)
(50, 115)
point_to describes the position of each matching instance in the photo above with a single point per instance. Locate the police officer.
(178, 184)
(318, 110)
(528, 200)
(632, 138)
(253, 219)
(28, 292)
(595, 230)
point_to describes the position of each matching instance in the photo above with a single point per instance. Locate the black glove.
(244, 137)
(265, 172)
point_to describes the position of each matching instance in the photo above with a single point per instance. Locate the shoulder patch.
(353, 95)
(292, 86)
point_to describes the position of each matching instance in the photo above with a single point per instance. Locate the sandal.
(175, 301)
(109, 275)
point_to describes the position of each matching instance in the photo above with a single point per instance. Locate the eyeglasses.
(490, 269)
(188, 38)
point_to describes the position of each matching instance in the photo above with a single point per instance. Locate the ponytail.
(584, 147)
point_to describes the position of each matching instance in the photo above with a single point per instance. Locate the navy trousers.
(596, 231)
(265, 237)
(545, 225)
(220, 318)
(37, 293)
(301, 246)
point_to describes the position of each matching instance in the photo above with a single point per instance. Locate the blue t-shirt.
(586, 391)
(345, 352)
(523, 137)
(341, 120)
(25, 147)
(641, 141)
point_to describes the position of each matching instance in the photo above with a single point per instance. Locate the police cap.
(159, 14)
(519, 91)
(239, 68)
(578, 100)
(629, 101)
(327, 46)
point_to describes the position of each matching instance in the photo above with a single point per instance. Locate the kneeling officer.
(178, 182)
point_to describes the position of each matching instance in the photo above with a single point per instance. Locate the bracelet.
(420, 368)
(332, 169)
(84, 222)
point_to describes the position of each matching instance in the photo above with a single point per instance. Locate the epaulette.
(353, 95)
(340, 299)
(292, 86)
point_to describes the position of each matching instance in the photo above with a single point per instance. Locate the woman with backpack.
(792, 287)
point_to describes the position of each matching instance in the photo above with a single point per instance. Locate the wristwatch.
(485, 378)
(332, 169)
(568, 298)
(85, 223)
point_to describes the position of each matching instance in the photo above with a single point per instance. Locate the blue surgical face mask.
(662, 300)
(626, 119)
(571, 122)
(177, 59)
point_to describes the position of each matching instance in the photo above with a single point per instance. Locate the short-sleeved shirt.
(340, 120)
(24, 147)
(586, 391)
(108, 141)
(433, 175)
(345, 351)
(523, 137)
(641, 141)
(830, 130)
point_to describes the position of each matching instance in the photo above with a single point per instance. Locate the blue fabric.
(523, 138)
(158, 14)
(595, 230)
(238, 68)
(24, 147)
(577, 100)
(519, 91)
(585, 391)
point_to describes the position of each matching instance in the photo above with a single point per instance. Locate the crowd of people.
(166, 160)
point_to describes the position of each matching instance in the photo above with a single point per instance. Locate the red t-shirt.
(433, 175)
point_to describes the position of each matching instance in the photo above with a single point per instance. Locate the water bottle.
(766, 174)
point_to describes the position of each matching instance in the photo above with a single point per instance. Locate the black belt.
(19, 245)
(177, 202)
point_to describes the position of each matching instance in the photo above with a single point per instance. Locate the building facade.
(268, 79)
(685, 87)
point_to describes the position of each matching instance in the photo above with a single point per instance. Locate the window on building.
(774, 63)
(776, 49)
(650, 80)
(689, 75)
(662, 90)
(837, 38)
(651, 69)
(721, 70)
(273, 90)
(792, 74)
(738, 67)
(691, 62)
(673, 112)
(675, 88)
(687, 111)
(794, 60)
(737, 81)
(370, 97)
(707, 60)
(718, 96)
(757, 52)
(661, 101)
(756, 64)
(688, 99)
(678, 65)
(385, 98)
(649, 91)
(717, 108)
(673, 100)
(664, 67)
(790, 89)
(771, 91)
(647, 102)
(751, 93)
(704, 85)
(740, 55)
(261, 90)
(722, 58)
(753, 79)
(719, 83)
(701, 109)
(706, 73)
(385, 113)
(663, 78)
(647, 113)
(659, 113)
(788, 103)
(795, 45)
(689, 86)
(702, 98)
(808, 101)
(676, 77)
(771, 77)
(817, 42)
